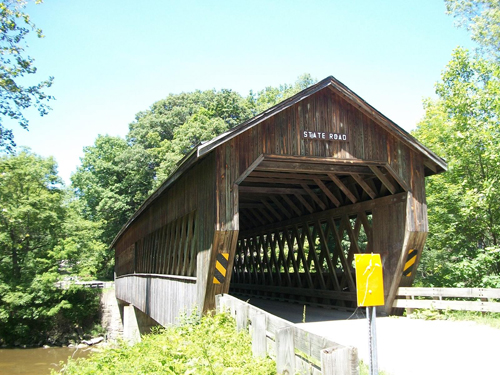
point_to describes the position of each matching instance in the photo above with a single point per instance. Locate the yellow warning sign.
(221, 268)
(369, 279)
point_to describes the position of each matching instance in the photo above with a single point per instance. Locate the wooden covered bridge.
(278, 206)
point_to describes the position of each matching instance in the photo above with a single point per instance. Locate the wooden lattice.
(309, 262)
(169, 250)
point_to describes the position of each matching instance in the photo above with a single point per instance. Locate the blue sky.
(112, 59)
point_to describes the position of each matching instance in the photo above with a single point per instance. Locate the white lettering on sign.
(324, 136)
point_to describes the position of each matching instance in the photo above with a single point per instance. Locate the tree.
(33, 218)
(112, 182)
(30, 214)
(15, 95)
(198, 128)
(271, 96)
(463, 126)
(482, 19)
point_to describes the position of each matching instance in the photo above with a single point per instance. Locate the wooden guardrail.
(296, 351)
(470, 299)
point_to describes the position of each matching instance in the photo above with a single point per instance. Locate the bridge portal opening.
(301, 222)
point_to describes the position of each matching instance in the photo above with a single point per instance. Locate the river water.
(38, 361)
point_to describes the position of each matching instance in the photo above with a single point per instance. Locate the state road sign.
(369, 279)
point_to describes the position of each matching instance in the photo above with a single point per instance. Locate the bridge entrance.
(301, 222)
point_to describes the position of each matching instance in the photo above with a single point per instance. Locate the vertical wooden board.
(241, 317)
(285, 354)
(340, 360)
(259, 345)
(389, 222)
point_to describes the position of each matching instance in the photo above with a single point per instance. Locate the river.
(38, 361)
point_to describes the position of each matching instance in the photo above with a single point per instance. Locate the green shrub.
(209, 345)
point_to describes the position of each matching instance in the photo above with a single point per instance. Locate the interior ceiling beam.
(271, 208)
(364, 185)
(313, 195)
(280, 206)
(304, 167)
(251, 205)
(342, 187)
(266, 215)
(322, 160)
(304, 203)
(271, 190)
(396, 176)
(291, 204)
(270, 180)
(327, 192)
(388, 184)
(257, 216)
(334, 213)
(288, 175)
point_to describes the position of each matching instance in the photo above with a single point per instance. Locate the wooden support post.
(241, 316)
(285, 353)
(339, 361)
(259, 343)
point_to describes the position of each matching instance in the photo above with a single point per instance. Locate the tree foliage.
(482, 19)
(111, 182)
(36, 231)
(464, 210)
(16, 93)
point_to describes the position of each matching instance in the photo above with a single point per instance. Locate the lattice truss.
(310, 262)
(169, 250)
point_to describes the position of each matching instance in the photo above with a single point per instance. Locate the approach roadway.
(405, 346)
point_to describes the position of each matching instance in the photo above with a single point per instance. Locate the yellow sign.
(220, 268)
(369, 279)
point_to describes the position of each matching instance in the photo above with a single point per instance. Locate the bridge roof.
(434, 164)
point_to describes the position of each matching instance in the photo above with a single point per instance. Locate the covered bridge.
(278, 206)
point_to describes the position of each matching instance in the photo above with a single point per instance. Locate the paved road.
(406, 346)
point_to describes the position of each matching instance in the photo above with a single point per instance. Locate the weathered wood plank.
(259, 342)
(285, 354)
(339, 360)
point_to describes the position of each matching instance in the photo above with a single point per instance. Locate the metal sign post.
(370, 293)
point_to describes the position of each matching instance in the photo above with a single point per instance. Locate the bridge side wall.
(162, 298)
(156, 245)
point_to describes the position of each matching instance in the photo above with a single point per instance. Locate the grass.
(205, 346)
(489, 319)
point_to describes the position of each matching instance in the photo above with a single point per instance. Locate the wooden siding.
(174, 235)
(162, 298)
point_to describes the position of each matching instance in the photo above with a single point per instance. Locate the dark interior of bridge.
(301, 224)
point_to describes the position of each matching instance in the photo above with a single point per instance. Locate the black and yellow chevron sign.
(410, 261)
(221, 268)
